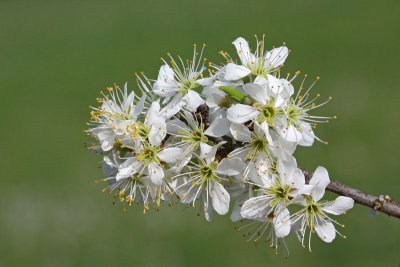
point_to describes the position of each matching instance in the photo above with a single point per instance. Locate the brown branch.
(383, 204)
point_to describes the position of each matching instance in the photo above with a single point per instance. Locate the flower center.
(268, 112)
(258, 67)
(258, 145)
(281, 194)
(294, 113)
(197, 136)
(207, 172)
(148, 154)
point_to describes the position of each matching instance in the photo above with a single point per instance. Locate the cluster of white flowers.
(216, 138)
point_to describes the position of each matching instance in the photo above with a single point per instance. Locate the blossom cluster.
(219, 135)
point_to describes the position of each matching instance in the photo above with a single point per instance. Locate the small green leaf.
(233, 93)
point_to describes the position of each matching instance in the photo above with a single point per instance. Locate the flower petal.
(177, 126)
(219, 198)
(127, 168)
(173, 107)
(240, 132)
(235, 72)
(165, 85)
(326, 231)
(240, 113)
(170, 154)
(291, 134)
(137, 110)
(320, 180)
(156, 173)
(208, 152)
(230, 167)
(243, 50)
(339, 206)
(218, 127)
(276, 57)
(158, 131)
(257, 92)
(282, 222)
(307, 134)
(256, 207)
(192, 100)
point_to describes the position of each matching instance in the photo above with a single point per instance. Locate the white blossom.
(314, 215)
(260, 63)
(216, 139)
(204, 179)
(179, 82)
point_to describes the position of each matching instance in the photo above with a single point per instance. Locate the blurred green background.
(56, 56)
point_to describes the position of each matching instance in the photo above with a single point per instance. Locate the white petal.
(127, 168)
(214, 100)
(286, 167)
(235, 72)
(307, 135)
(153, 113)
(107, 144)
(158, 131)
(291, 134)
(243, 50)
(177, 126)
(156, 173)
(275, 85)
(288, 88)
(230, 167)
(207, 152)
(321, 180)
(257, 92)
(339, 206)
(219, 198)
(170, 154)
(165, 85)
(276, 57)
(192, 100)
(205, 81)
(265, 127)
(186, 191)
(256, 207)
(110, 166)
(298, 179)
(240, 113)
(137, 110)
(326, 231)
(235, 215)
(261, 81)
(282, 222)
(173, 107)
(218, 127)
(240, 132)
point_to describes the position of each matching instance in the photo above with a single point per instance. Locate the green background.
(56, 56)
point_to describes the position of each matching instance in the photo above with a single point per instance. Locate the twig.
(383, 204)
